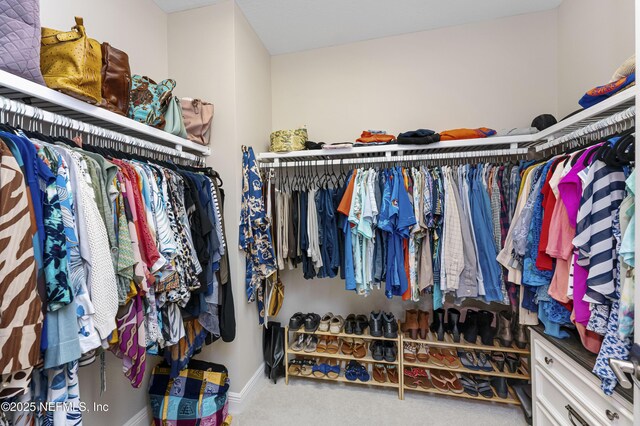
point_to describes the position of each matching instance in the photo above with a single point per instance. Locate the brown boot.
(423, 323)
(411, 323)
(505, 328)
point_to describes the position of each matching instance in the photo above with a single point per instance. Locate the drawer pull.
(548, 360)
(573, 415)
(612, 415)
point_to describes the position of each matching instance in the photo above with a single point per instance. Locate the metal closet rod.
(277, 163)
(615, 123)
(57, 120)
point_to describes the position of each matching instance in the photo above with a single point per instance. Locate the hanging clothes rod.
(400, 158)
(615, 123)
(60, 121)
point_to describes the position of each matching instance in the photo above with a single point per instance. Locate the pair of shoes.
(452, 325)
(301, 366)
(479, 323)
(329, 368)
(383, 373)
(331, 323)
(310, 321)
(383, 324)
(328, 344)
(356, 371)
(355, 347)
(414, 377)
(412, 352)
(386, 350)
(416, 323)
(478, 360)
(444, 357)
(478, 385)
(510, 329)
(308, 342)
(446, 381)
(355, 324)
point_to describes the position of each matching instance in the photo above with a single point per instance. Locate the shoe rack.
(367, 361)
(523, 372)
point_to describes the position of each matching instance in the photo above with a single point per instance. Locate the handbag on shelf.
(288, 140)
(71, 62)
(116, 80)
(198, 116)
(148, 101)
(197, 396)
(174, 120)
(20, 39)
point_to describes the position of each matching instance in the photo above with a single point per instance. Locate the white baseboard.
(237, 400)
(140, 419)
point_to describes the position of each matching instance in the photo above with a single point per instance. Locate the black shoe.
(375, 324)
(390, 352)
(500, 385)
(513, 363)
(296, 321)
(471, 326)
(487, 333)
(377, 350)
(453, 326)
(350, 324)
(390, 325)
(361, 325)
(278, 354)
(311, 322)
(437, 326)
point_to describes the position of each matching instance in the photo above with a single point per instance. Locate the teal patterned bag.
(149, 101)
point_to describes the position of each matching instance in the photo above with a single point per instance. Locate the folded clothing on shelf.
(418, 137)
(373, 137)
(455, 134)
(600, 93)
(517, 131)
(338, 145)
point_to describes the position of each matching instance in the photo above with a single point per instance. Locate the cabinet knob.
(548, 360)
(612, 415)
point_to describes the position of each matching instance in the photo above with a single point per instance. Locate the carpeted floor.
(308, 402)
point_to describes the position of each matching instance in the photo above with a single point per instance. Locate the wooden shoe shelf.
(344, 359)
(522, 373)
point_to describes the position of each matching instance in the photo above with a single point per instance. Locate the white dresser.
(566, 393)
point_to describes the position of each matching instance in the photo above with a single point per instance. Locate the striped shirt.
(604, 189)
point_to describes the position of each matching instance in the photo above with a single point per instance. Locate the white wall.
(594, 38)
(491, 74)
(137, 27)
(234, 73)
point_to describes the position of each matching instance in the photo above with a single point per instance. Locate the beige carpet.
(309, 402)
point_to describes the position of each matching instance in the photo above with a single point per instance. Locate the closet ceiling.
(287, 26)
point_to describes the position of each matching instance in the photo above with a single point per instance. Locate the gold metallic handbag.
(288, 140)
(71, 62)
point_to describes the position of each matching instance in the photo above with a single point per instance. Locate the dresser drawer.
(543, 417)
(577, 384)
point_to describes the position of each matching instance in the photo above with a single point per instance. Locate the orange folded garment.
(367, 137)
(481, 132)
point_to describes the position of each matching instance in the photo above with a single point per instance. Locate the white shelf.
(30, 93)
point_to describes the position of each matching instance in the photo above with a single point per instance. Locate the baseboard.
(237, 400)
(140, 419)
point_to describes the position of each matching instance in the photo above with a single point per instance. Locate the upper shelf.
(610, 106)
(30, 93)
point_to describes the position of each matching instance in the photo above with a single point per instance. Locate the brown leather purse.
(116, 80)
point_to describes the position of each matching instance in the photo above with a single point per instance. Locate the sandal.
(333, 370)
(295, 366)
(350, 324)
(379, 373)
(311, 344)
(450, 359)
(347, 346)
(363, 374)
(410, 379)
(469, 385)
(498, 358)
(321, 347)
(423, 353)
(468, 359)
(320, 370)
(298, 343)
(333, 345)
(336, 324)
(409, 351)
(307, 367)
(484, 363)
(513, 362)
(324, 322)
(484, 389)
(359, 348)
(296, 321)
(438, 381)
(436, 357)
(453, 384)
(351, 371)
(392, 373)
(422, 378)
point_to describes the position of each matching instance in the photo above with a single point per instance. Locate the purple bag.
(20, 38)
